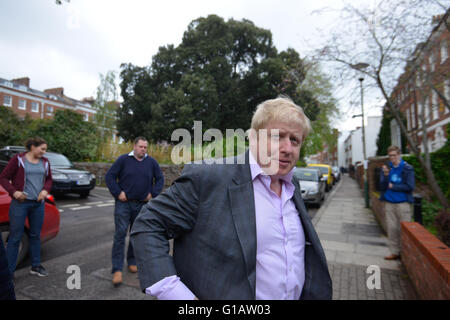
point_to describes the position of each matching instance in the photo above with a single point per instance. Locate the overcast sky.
(71, 44)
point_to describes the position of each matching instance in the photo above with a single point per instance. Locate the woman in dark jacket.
(28, 180)
(6, 284)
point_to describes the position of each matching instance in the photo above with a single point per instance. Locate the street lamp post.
(366, 187)
(361, 66)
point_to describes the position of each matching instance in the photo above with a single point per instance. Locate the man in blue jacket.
(133, 180)
(397, 184)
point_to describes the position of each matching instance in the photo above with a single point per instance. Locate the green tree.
(70, 135)
(13, 130)
(106, 106)
(218, 74)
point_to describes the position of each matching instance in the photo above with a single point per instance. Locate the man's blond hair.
(281, 109)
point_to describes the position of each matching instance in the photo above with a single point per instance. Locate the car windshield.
(58, 160)
(323, 170)
(307, 175)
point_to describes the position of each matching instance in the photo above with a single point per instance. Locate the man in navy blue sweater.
(133, 180)
(397, 184)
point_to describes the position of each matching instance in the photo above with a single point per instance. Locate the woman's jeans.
(18, 212)
(124, 215)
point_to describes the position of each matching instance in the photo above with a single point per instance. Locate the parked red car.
(50, 228)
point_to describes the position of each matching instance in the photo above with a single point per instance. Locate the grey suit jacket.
(209, 211)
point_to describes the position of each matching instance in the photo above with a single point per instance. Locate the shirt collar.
(131, 154)
(256, 170)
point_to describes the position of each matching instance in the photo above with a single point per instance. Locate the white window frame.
(431, 60)
(22, 106)
(408, 120)
(34, 103)
(444, 50)
(447, 89)
(435, 105)
(7, 104)
(50, 110)
(86, 117)
(419, 114)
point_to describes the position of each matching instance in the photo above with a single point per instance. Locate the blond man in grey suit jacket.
(240, 231)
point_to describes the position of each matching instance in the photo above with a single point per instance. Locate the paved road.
(84, 240)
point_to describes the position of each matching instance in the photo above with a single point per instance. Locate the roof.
(62, 99)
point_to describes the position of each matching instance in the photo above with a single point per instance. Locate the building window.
(86, 117)
(413, 117)
(22, 104)
(49, 110)
(447, 90)
(444, 51)
(431, 60)
(34, 107)
(8, 84)
(426, 111)
(435, 105)
(7, 101)
(408, 120)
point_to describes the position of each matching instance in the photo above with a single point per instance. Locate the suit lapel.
(243, 212)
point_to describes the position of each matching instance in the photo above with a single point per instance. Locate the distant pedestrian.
(397, 184)
(28, 180)
(133, 180)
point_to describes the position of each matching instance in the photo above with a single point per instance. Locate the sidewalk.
(353, 240)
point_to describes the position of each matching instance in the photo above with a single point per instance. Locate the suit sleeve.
(168, 216)
(111, 177)
(7, 174)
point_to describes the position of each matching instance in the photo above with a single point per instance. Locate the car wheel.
(24, 245)
(84, 194)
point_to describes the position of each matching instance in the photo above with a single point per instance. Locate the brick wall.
(427, 261)
(378, 209)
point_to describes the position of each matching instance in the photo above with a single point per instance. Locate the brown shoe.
(392, 257)
(117, 278)
(132, 268)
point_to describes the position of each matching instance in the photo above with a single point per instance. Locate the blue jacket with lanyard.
(403, 181)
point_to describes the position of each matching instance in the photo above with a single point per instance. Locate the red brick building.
(423, 89)
(22, 99)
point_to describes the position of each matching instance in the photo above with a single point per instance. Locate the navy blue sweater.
(136, 178)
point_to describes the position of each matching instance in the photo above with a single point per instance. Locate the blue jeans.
(18, 212)
(124, 215)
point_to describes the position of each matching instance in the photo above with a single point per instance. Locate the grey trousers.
(395, 213)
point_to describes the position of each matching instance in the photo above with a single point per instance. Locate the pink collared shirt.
(280, 271)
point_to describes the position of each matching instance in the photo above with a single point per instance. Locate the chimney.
(55, 91)
(23, 81)
(436, 19)
(89, 100)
